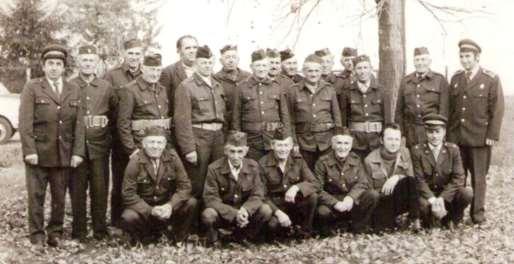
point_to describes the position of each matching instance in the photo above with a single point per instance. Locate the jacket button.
(462, 120)
(285, 185)
(235, 195)
(58, 107)
(464, 109)
(463, 97)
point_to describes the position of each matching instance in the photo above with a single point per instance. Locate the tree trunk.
(391, 35)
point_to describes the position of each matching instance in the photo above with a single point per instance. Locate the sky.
(253, 24)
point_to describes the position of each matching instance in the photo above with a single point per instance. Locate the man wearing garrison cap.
(291, 188)
(52, 141)
(475, 119)
(230, 76)
(314, 111)
(233, 193)
(367, 107)
(290, 65)
(199, 127)
(275, 70)
(260, 107)
(119, 77)
(347, 76)
(99, 103)
(157, 192)
(422, 92)
(345, 195)
(327, 64)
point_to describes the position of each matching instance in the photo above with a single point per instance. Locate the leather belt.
(209, 126)
(368, 127)
(95, 121)
(262, 126)
(142, 124)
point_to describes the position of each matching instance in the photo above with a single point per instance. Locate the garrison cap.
(281, 133)
(87, 49)
(132, 43)
(360, 59)
(272, 53)
(153, 59)
(322, 52)
(469, 45)
(286, 54)
(313, 58)
(342, 131)
(227, 48)
(54, 51)
(420, 51)
(258, 55)
(349, 52)
(156, 131)
(203, 52)
(236, 138)
(434, 120)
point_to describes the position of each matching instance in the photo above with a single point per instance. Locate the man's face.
(363, 71)
(312, 72)
(282, 148)
(235, 154)
(392, 140)
(154, 146)
(260, 68)
(87, 63)
(53, 68)
(422, 63)
(435, 135)
(468, 60)
(134, 57)
(151, 74)
(290, 66)
(229, 60)
(275, 66)
(188, 49)
(342, 145)
(347, 62)
(328, 63)
(204, 66)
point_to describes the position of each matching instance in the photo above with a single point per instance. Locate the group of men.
(196, 151)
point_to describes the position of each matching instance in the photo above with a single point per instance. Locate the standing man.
(175, 73)
(476, 113)
(118, 78)
(200, 100)
(275, 70)
(230, 76)
(421, 92)
(314, 112)
(290, 65)
(346, 77)
(438, 168)
(99, 104)
(368, 108)
(260, 107)
(327, 64)
(52, 140)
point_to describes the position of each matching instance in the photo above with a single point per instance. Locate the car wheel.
(6, 130)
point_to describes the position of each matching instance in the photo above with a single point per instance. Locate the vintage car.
(9, 107)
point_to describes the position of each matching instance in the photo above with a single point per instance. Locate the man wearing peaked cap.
(118, 78)
(230, 76)
(422, 92)
(293, 201)
(52, 140)
(234, 192)
(275, 71)
(260, 107)
(327, 64)
(476, 113)
(200, 126)
(100, 103)
(440, 176)
(290, 65)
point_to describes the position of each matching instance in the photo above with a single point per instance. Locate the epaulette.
(489, 73)
(459, 72)
(450, 145)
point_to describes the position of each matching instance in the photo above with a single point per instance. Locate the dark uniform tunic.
(171, 77)
(296, 78)
(417, 97)
(476, 113)
(229, 81)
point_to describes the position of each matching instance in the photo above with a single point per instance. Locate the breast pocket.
(249, 103)
(203, 104)
(273, 102)
(378, 177)
(144, 186)
(41, 109)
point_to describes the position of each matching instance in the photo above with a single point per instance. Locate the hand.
(490, 142)
(75, 161)
(347, 203)
(134, 153)
(32, 159)
(192, 157)
(283, 218)
(291, 194)
(339, 206)
(166, 211)
(296, 149)
(438, 207)
(242, 217)
(389, 185)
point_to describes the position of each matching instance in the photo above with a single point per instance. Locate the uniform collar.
(225, 167)
(352, 159)
(374, 157)
(200, 81)
(144, 85)
(253, 81)
(126, 68)
(321, 85)
(143, 158)
(83, 83)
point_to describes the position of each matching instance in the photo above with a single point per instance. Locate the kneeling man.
(345, 195)
(438, 168)
(233, 193)
(157, 192)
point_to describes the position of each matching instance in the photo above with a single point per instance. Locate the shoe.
(415, 225)
(54, 240)
(37, 240)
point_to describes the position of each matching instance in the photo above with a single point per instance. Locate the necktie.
(435, 152)
(468, 75)
(56, 87)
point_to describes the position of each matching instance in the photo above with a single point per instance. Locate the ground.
(489, 243)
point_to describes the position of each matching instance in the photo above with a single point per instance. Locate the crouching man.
(438, 168)
(391, 174)
(345, 196)
(157, 192)
(233, 193)
(291, 188)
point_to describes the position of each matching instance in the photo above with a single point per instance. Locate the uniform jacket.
(195, 103)
(50, 125)
(142, 188)
(229, 82)
(340, 180)
(296, 78)
(171, 77)
(377, 171)
(442, 178)
(476, 108)
(277, 183)
(226, 195)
